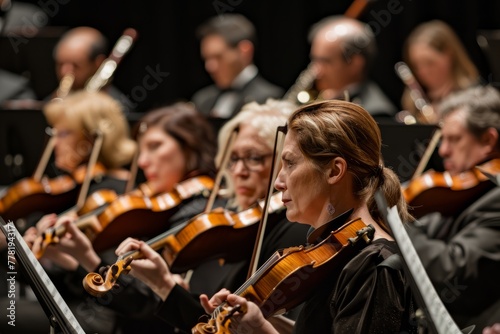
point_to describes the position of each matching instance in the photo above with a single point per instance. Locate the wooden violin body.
(48, 195)
(197, 240)
(289, 278)
(448, 194)
(94, 204)
(128, 216)
(139, 216)
(200, 239)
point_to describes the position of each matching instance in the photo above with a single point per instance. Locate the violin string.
(157, 238)
(250, 281)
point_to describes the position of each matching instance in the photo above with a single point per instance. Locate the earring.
(330, 209)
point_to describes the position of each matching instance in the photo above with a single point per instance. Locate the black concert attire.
(221, 105)
(461, 255)
(364, 295)
(370, 96)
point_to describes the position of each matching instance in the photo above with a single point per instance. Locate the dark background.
(167, 43)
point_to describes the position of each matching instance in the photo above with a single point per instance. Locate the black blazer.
(258, 89)
(462, 258)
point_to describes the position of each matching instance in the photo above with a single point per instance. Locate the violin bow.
(133, 172)
(278, 146)
(96, 149)
(220, 172)
(44, 160)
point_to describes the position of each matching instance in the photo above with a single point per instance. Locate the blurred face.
(222, 62)
(459, 148)
(303, 195)
(72, 57)
(432, 68)
(332, 71)
(72, 147)
(250, 166)
(162, 160)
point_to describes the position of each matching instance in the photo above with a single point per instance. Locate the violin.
(448, 194)
(191, 243)
(109, 225)
(276, 286)
(47, 195)
(96, 200)
(200, 239)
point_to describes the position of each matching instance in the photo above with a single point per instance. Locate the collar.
(245, 76)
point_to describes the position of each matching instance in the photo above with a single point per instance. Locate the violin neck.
(155, 243)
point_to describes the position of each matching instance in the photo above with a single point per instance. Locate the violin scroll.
(97, 285)
(221, 324)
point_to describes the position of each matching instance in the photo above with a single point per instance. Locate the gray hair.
(481, 105)
(264, 117)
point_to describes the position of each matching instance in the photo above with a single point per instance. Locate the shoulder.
(484, 211)
(374, 100)
(372, 255)
(205, 93)
(262, 85)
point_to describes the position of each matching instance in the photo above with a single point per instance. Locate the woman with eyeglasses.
(247, 181)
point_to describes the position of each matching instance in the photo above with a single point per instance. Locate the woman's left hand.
(74, 244)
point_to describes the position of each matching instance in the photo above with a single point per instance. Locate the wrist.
(165, 287)
(90, 261)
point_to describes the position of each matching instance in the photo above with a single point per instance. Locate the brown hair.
(335, 128)
(190, 129)
(441, 37)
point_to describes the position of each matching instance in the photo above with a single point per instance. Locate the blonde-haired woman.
(78, 119)
(439, 62)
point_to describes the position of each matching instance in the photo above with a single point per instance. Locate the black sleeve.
(466, 258)
(181, 309)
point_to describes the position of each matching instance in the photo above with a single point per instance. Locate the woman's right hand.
(250, 320)
(151, 269)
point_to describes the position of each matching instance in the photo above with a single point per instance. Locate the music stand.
(60, 317)
(436, 317)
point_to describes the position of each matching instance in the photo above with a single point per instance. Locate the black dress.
(462, 258)
(364, 295)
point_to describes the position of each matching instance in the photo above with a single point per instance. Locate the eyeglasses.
(59, 133)
(253, 163)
